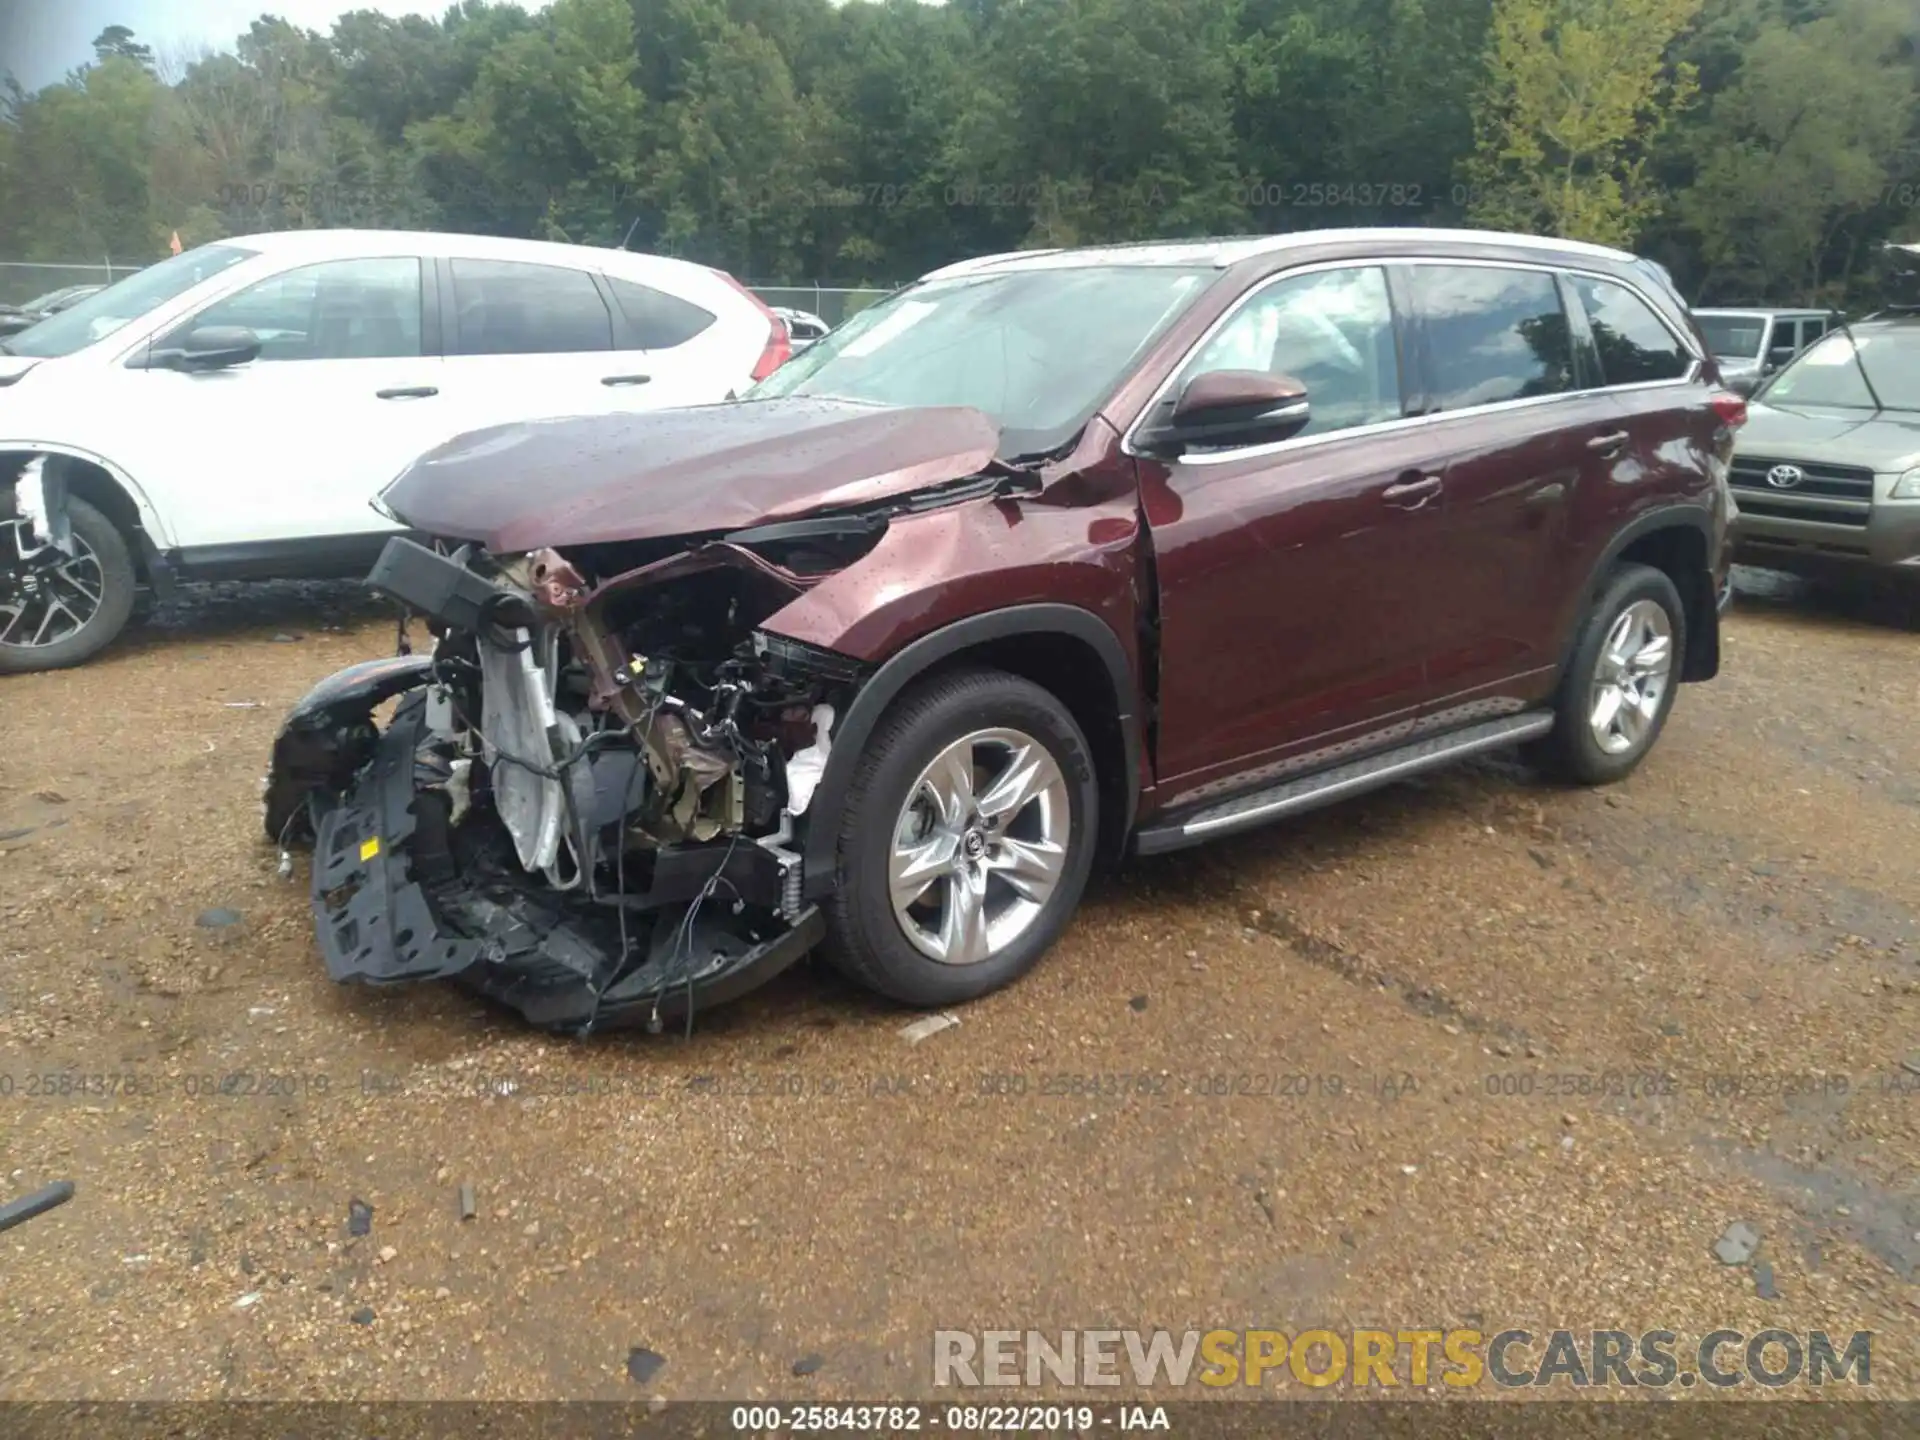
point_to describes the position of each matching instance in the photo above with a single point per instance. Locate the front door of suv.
(276, 462)
(1291, 576)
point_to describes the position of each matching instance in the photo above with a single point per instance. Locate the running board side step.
(1243, 812)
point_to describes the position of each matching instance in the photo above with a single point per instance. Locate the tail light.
(779, 347)
(1731, 408)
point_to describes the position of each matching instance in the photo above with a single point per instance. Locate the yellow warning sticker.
(369, 848)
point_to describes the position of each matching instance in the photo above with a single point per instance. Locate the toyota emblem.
(1785, 477)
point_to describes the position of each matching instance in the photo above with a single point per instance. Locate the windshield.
(1826, 373)
(104, 312)
(1038, 350)
(1733, 337)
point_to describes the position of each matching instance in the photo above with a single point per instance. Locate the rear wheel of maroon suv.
(966, 840)
(1620, 684)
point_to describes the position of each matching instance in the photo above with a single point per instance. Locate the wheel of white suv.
(1620, 684)
(60, 610)
(966, 840)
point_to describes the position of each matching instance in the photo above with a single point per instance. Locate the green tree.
(876, 139)
(1576, 94)
(1098, 120)
(1813, 135)
(552, 139)
(884, 109)
(83, 163)
(398, 72)
(1355, 106)
(118, 40)
(738, 178)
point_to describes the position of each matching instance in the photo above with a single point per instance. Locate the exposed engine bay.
(584, 801)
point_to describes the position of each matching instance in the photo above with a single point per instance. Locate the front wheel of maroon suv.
(966, 840)
(1620, 684)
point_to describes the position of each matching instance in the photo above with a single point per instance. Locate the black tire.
(118, 584)
(866, 941)
(1572, 752)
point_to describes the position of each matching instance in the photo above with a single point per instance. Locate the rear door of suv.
(529, 340)
(1651, 371)
(1521, 435)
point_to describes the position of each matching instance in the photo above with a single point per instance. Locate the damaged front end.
(584, 800)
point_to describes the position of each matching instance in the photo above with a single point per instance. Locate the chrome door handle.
(407, 392)
(1411, 494)
(1608, 444)
(625, 379)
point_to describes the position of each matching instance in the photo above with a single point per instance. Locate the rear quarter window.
(655, 319)
(1635, 345)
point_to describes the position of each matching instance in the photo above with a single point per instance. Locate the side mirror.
(1744, 384)
(214, 347)
(1232, 407)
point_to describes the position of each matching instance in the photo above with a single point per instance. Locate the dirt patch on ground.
(1472, 1051)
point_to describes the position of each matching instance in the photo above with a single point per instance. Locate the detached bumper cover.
(328, 735)
(556, 960)
(373, 919)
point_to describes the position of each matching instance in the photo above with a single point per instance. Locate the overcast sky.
(40, 40)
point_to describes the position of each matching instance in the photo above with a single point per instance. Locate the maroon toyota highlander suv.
(1051, 557)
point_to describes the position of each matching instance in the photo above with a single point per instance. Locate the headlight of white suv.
(1907, 487)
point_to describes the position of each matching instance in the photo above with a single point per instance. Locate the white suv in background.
(232, 412)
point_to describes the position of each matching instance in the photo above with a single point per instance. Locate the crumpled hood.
(592, 479)
(1887, 442)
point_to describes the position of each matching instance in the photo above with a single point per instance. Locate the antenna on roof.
(626, 242)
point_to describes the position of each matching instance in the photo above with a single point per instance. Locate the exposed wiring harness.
(680, 967)
(620, 969)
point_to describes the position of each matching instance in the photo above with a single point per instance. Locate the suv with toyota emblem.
(1827, 470)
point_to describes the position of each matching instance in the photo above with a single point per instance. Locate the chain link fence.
(21, 281)
(833, 305)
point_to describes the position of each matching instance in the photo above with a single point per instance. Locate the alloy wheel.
(1631, 678)
(979, 846)
(45, 597)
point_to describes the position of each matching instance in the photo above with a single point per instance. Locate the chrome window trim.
(1406, 422)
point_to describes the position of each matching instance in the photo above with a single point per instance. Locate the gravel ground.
(1397, 982)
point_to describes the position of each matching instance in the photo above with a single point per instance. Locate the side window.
(335, 310)
(508, 307)
(1332, 331)
(1635, 347)
(1786, 342)
(1493, 334)
(657, 320)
